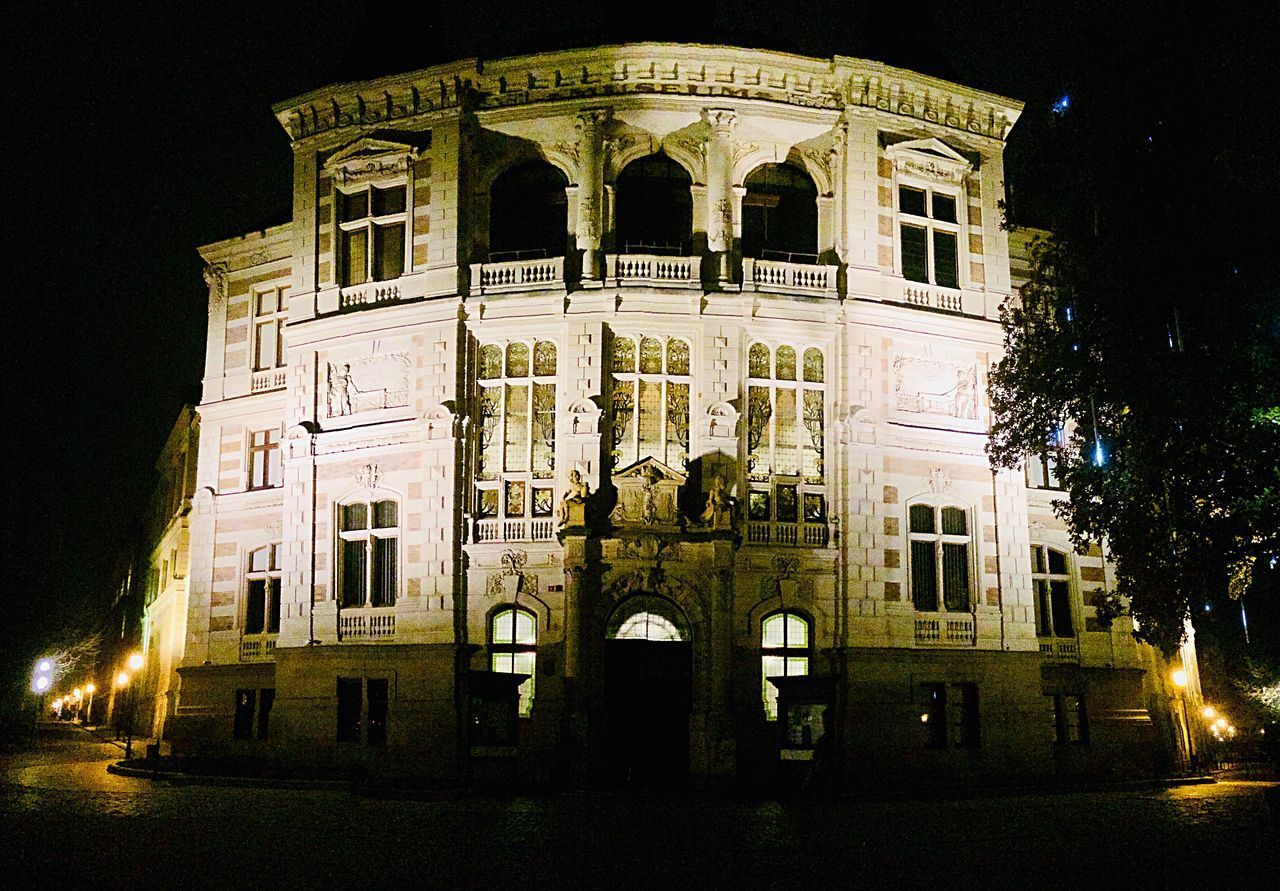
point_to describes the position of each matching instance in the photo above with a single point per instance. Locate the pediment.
(650, 470)
(371, 157)
(929, 159)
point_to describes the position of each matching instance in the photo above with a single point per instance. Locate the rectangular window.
(355, 257)
(350, 706)
(1070, 726)
(266, 699)
(268, 329)
(955, 577)
(264, 459)
(388, 251)
(924, 576)
(933, 715)
(353, 572)
(372, 223)
(915, 254)
(384, 571)
(273, 613)
(242, 727)
(377, 735)
(929, 236)
(255, 606)
(965, 726)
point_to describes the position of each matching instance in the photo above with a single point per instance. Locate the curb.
(173, 778)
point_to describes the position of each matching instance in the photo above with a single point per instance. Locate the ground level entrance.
(647, 700)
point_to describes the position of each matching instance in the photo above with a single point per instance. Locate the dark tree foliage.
(1149, 335)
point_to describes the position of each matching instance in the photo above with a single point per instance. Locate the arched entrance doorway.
(648, 693)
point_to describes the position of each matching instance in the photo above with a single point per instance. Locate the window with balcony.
(929, 235)
(513, 649)
(262, 594)
(368, 553)
(528, 213)
(940, 557)
(780, 215)
(515, 476)
(654, 208)
(1051, 579)
(786, 444)
(372, 223)
(362, 710)
(785, 649)
(265, 471)
(269, 309)
(651, 389)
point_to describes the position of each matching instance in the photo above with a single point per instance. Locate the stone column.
(591, 190)
(720, 189)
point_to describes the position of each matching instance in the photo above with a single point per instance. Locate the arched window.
(262, 597)
(368, 553)
(516, 469)
(513, 649)
(528, 213)
(785, 646)
(654, 208)
(786, 441)
(1052, 582)
(647, 626)
(650, 406)
(940, 537)
(780, 215)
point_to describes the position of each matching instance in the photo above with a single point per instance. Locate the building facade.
(651, 379)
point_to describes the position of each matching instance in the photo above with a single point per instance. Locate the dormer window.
(371, 224)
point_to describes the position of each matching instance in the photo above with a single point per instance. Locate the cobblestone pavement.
(66, 822)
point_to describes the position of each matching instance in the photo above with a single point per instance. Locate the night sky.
(135, 137)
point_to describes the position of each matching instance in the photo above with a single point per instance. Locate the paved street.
(67, 822)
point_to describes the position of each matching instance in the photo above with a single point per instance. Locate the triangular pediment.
(931, 146)
(650, 469)
(368, 147)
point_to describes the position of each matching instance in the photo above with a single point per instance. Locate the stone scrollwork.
(215, 276)
(299, 439)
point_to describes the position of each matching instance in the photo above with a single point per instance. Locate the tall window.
(368, 544)
(780, 215)
(1052, 582)
(940, 540)
(786, 441)
(784, 652)
(513, 639)
(929, 234)
(371, 234)
(262, 599)
(253, 709)
(264, 459)
(516, 472)
(528, 213)
(655, 207)
(362, 710)
(1042, 472)
(949, 715)
(650, 401)
(268, 329)
(1070, 726)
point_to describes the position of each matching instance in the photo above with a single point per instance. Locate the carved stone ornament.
(367, 383)
(722, 420)
(215, 276)
(584, 417)
(440, 422)
(370, 159)
(273, 529)
(930, 159)
(299, 441)
(939, 480)
(572, 511)
(924, 385)
(368, 476)
(647, 495)
(718, 511)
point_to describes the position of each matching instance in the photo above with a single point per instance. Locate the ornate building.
(592, 398)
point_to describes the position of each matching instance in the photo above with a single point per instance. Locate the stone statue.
(717, 502)
(339, 390)
(573, 504)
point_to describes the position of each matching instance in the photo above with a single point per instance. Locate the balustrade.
(269, 379)
(798, 278)
(257, 648)
(813, 535)
(369, 293)
(516, 529)
(544, 273)
(934, 297)
(945, 630)
(1059, 649)
(367, 624)
(654, 269)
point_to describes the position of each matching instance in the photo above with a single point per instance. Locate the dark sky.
(137, 135)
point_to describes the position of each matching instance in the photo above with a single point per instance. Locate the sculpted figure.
(339, 390)
(577, 493)
(717, 502)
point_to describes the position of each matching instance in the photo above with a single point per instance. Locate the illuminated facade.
(646, 373)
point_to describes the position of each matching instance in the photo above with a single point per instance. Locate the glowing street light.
(122, 679)
(42, 684)
(1209, 712)
(135, 661)
(1180, 678)
(88, 711)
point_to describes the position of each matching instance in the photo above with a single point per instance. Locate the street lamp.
(1209, 712)
(1180, 678)
(122, 681)
(89, 688)
(135, 661)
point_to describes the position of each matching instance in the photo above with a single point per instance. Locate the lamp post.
(88, 712)
(122, 681)
(135, 665)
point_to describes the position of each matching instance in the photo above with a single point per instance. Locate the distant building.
(654, 376)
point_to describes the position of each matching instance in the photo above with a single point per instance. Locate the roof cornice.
(718, 73)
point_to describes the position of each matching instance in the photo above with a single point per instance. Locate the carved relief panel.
(935, 386)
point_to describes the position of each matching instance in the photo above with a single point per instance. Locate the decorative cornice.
(676, 70)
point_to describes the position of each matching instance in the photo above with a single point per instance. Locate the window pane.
(517, 359)
(349, 706)
(264, 354)
(945, 271)
(1061, 597)
(911, 201)
(378, 688)
(384, 571)
(785, 459)
(773, 631)
(353, 573)
(388, 249)
(353, 207)
(544, 430)
(787, 504)
(815, 508)
(273, 608)
(523, 663)
(954, 521)
(355, 516)
(924, 576)
(1043, 611)
(944, 208)
(260, 560)
(786, 363)
(914, 254)
(242, 723)
(797, 631)
(544, 358)
(758, 506)
(265, 303)
(1057, 562)
(487, 503)
(1037, 558)
(955, 576)
(255, 606)
(355, 256)
(525, 632)
(624, 355)
(490, 362)
(677, 357)
(515, 498)
(771, 667)
(504, 627)
(650, 355)
(385, 515)
(813, 362)
(543, 500)
(797, 666)
(516, 442)
(649, 420)
(758, 361)
(387, 201)
(921, 518)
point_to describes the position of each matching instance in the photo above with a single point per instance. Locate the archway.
(528, 213)
(648, 693)
(655, 208)
(780, 215)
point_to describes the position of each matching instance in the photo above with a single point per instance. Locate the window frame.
(273, 322)
(940, 539)
(1062, 711)
(362, 731)
(269, 452)
(273, 573)
(369, 534)
(950, 715)
(513, 648)
(786, 652)
(930, 225)
(1043, 611)
(369, 224)
(625, 442)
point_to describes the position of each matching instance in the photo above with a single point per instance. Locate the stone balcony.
(367, 624)
(947, 299)
(258, 648)
(514, 529)
(544, 274)
(808, 535)
(653, 270)
(945, 630)
(269, 379)
(807, 279)
(1060, 649)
